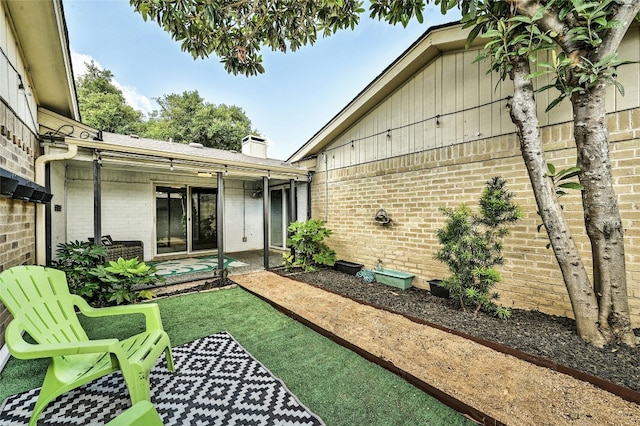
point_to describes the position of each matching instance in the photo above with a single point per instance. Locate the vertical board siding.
(471, 104)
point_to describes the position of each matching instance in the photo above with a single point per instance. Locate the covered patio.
(174, 200)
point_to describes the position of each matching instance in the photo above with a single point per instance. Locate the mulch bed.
(551, 337)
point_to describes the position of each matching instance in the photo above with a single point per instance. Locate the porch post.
(97, 200)
(265, 221)
(309, 196)
(293, 211)
(220, 221)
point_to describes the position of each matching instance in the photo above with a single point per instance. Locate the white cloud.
(131, 95)
(137, 100)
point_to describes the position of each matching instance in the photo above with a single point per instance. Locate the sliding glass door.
(185, 219)
(171, 220)
(204, 235)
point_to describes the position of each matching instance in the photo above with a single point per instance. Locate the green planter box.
(393, 278)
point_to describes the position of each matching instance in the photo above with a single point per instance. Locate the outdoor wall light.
(171, 164)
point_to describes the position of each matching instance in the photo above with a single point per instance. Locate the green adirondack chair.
(41, 305)
(142, 413)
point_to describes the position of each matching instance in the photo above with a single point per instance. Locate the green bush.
(306, 238)
(99, 283)
(76, 259)
(121, 276)
(472, 247)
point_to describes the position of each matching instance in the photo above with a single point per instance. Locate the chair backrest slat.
(39, 298)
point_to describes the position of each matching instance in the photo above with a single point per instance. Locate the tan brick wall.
(18, 146)
(413, 187)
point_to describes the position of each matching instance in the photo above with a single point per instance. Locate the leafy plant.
(121, 276)
(472, 247)
(310, 252)
(100, 284)
(76, 260)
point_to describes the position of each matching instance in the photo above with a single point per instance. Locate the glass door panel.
(204, 234)
(171, 219)
(279, 217)
(277, 212)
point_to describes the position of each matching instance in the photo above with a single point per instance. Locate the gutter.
(41, 162)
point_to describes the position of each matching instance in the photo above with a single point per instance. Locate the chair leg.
(51, 389)
(137, 381)
(169, 356)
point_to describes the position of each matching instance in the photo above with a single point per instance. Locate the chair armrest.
(150, 311)
(22, 349)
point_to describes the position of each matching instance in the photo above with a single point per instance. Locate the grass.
(333, 382)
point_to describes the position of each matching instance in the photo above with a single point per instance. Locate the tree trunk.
(581, 293)
(601, 215)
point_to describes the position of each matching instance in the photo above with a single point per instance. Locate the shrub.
(472, 247)
(121, 276)
(76, 259)
(306, 239)
(99, 283)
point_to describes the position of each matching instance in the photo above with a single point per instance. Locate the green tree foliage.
(188, 118)
(102, 104)
(235, 31)
(472, 247)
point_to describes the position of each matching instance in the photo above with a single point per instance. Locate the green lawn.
(333, 382)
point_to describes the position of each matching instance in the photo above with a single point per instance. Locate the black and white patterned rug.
(217, 382)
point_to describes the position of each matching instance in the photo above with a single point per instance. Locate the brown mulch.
(506, 388)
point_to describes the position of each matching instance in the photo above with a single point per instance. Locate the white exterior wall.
(58, 224)
(242, 217)
(128, 208)
(301, 202)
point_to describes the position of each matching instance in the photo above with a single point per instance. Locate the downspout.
(326, 188)
(40, 169)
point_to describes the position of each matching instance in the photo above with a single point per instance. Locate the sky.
(297, 95)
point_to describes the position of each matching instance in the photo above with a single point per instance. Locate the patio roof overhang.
(186, 163)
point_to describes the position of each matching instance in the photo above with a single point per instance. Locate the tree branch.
(550, 22)
(626, 13)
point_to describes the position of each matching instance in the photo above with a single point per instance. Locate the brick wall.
(18, 146)
(413, 187)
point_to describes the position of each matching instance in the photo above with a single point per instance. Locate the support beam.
(293, 211)
(265, 221)
(97, 200)
(309, 196)
(220, 221)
